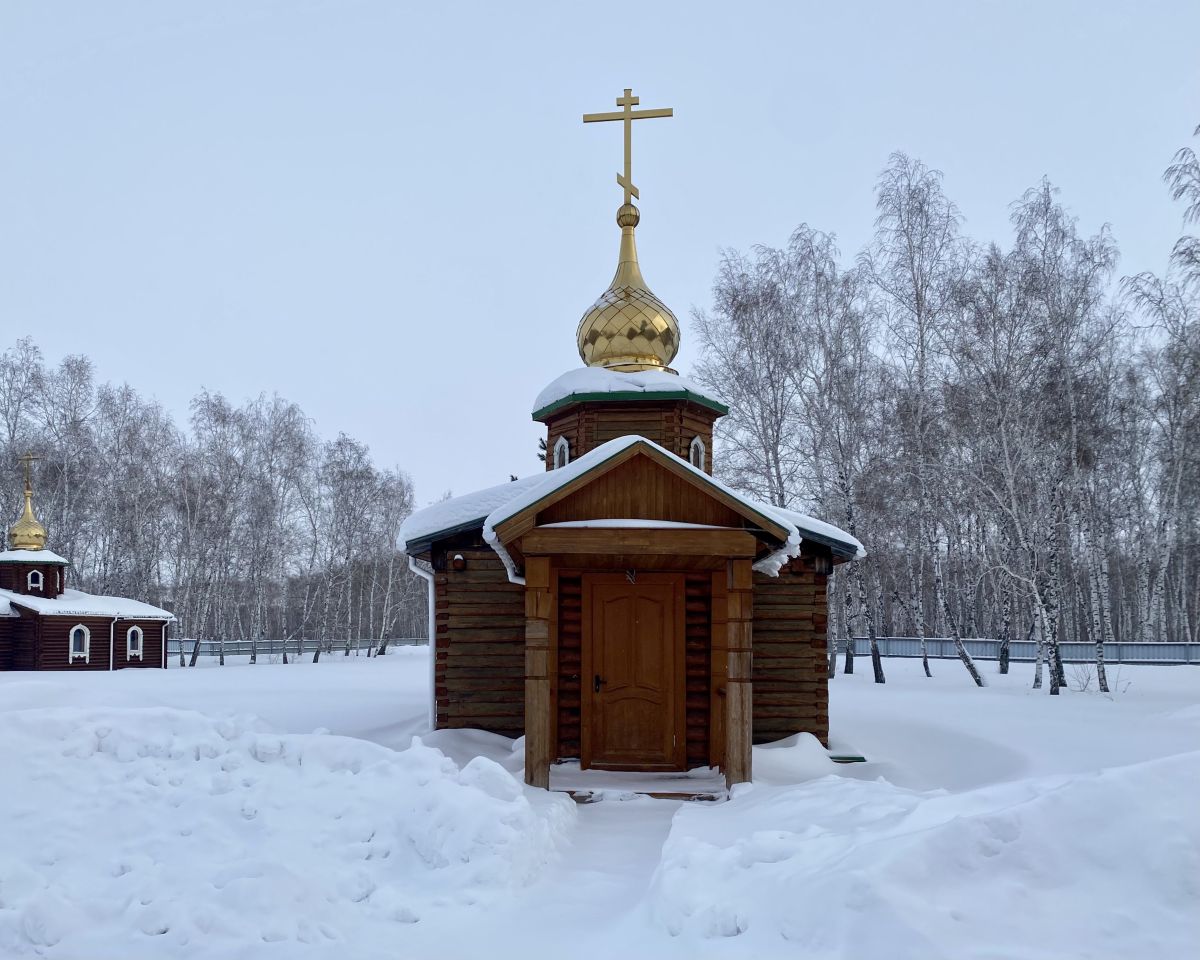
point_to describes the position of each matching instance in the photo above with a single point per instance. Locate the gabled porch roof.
(508, 519)
(507, 510)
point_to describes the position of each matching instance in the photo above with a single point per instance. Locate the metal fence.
(269, 648)
(940, 648)
(1026, 650)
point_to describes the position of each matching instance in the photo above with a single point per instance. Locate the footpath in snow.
(287, 811)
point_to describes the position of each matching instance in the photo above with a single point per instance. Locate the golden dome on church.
(628, 328)
(27, 533)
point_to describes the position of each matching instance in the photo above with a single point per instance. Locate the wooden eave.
(840, 552)
(421, 548)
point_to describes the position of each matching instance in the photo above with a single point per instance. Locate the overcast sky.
(392, 214)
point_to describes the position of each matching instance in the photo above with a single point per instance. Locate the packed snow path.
(274, 811)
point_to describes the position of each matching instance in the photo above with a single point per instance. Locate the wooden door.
(633, 672)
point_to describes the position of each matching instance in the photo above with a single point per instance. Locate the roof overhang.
(627, 396)
(422, 545)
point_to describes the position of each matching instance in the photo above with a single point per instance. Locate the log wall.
(669, 423)
(13, 633)
(570, 664)
(47, 644)
(15, 577)
(22, 637)
(791, 689)
(479, 672)
(698, 665)
(152, 644)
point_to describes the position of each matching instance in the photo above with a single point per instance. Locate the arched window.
(696, 453)
(562, 452)
(81, 642)
(133, 643)
(34, 580)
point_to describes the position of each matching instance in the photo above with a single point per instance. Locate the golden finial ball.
(628, 216)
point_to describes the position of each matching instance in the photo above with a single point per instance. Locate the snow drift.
(196, 831)
(1092, 865)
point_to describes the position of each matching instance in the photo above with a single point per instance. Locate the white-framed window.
(696, 453)
(34, 580)
(81, 643)
(133, 643)
(562, 452)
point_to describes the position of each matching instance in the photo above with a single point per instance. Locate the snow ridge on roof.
(31, 556)
(76, 603)
(597, 380)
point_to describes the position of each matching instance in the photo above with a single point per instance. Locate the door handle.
(597, 683)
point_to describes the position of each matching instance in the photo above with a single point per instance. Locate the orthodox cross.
(28, 459)
(628, 115)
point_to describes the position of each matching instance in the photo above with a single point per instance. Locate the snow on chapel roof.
(459, 513)
(32, 556)
(597, 383)
(491, 507)
(76, 603)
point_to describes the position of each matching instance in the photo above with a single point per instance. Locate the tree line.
(1010, 430)
(243, 522)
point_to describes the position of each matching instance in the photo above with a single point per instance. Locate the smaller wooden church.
(45, 625)
(625, 610)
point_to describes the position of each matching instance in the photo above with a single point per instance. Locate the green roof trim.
(624, 396)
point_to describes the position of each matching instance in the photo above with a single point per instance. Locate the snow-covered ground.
(272, 811)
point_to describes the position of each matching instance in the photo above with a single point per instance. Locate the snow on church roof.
(76, 603)
(31, 556)
(819, 530)
(597, 383)
(459, 513)
(491, 507)
(561, 476)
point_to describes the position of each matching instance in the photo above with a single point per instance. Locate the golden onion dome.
(628, 328)
(27, 533)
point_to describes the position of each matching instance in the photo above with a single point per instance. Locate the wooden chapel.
(46, 625)
(625, 610)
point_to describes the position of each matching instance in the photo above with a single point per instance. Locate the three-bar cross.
(628, 115)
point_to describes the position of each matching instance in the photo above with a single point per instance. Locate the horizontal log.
(509, 730)
(491, 584)
(478, 567)
(458, 707)
(789, 611)
(492, 647)
(486, 621)
(776, 711)
(802, 659)
(453, 674)
(766, 694)
(778, 677)
(477, 598)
